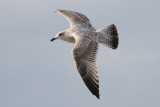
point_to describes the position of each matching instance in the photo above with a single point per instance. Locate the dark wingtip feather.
(91, 86)
(97, 96)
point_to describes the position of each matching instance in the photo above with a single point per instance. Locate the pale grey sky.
(37, 73)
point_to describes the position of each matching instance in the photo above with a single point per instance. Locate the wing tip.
(58, 10)
(91, 86)
(98, 96)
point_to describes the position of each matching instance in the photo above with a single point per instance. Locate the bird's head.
(60, 35)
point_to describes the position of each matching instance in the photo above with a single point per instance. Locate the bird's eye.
(60, 34)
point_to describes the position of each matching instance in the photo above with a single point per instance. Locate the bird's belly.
(69, 39)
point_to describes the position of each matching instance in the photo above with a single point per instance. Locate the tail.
(109, 36)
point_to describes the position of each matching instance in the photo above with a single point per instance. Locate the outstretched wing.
(84, 53)
(76, 18)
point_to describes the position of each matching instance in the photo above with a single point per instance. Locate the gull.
(86, 40)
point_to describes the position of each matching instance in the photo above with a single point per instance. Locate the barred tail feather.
(109, 36)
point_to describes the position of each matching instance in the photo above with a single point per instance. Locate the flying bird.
(86, 40)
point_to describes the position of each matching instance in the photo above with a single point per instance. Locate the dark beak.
(53, 39)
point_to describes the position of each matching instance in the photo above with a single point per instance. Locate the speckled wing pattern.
(76, 18)
(86, 46)
(84, 53)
